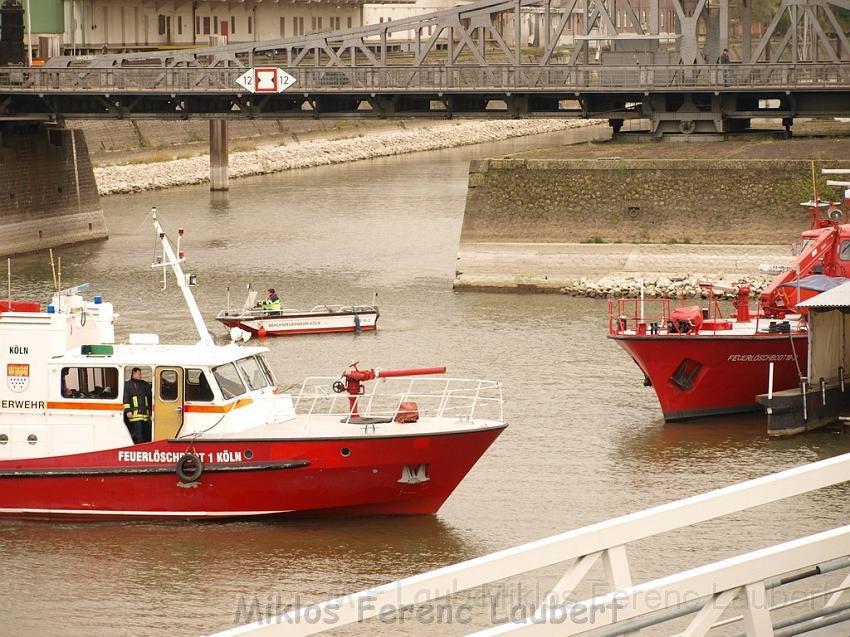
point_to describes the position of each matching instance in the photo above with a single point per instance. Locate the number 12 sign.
(266, 79)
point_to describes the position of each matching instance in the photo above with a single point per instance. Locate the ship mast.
(173, 261)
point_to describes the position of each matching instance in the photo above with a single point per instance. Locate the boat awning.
(817, 282)
(837, 298)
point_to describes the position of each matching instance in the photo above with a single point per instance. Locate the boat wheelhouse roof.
(173, 355)
(837, 298)
(817, 282)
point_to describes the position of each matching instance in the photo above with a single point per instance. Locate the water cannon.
(741, 303)
(352, 380)
(740, 289)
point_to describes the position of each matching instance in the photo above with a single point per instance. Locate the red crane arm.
(772, 300)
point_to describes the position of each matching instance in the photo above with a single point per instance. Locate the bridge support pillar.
(48, 194)
(219, 178)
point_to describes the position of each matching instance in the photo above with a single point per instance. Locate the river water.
(585, 442)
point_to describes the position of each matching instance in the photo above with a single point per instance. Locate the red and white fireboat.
(321, 319)
(701, 363)
(225, 443)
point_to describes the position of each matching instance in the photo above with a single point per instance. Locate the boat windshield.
(252, 373)
(266, 370)
(228, 380)
(803, 245)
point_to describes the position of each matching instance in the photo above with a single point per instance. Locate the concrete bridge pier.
(219, 179)
(48, 194)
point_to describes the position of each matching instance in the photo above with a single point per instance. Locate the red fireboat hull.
(245, 478)
(705, 375)
(254, 329)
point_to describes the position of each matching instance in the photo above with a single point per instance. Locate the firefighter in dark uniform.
(137, 407)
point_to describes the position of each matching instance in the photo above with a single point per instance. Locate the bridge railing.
(497, 78)
(706, 591)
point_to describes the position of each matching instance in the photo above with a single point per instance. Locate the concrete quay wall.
(708, 201)
(48, 196)
(600, 226)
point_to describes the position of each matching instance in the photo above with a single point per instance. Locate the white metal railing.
(406, 78)
(260, 312)
(710, 588)
(459, 398)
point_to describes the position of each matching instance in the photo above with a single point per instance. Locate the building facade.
(89, 25)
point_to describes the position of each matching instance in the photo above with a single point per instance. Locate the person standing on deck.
(137, 407)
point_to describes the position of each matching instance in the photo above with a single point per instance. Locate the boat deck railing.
(654, 317)
(259, 312)
(793, 588)
(388, 399)
(639, 315)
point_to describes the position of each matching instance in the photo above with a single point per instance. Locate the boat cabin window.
(197, 387)
(168, 385)
(89, 382)
(266, 370)
(844, 251)
(252, 372)
(228, 380)
(802, 246)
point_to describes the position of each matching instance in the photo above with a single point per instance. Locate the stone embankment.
(617, 270)
(129, 178)
(663, 286)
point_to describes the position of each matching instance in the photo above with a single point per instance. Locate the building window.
(161, 24)
(100, 383)
(197, 24)
(206, 25)
(215, 24)
(298, 26)
(250, 24)
(349, 22)
(335, 23)
(381, 19)
(283, 27)
(232, 24)
(180, 25)
(320, 22)
(313, 24)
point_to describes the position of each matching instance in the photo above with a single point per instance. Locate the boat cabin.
(65, 380)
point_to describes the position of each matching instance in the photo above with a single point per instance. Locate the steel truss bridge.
(493, 58)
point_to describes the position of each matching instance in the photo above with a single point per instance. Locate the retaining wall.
(48, 195)
(640, 201)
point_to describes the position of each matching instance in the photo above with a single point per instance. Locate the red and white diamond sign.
(266, 79)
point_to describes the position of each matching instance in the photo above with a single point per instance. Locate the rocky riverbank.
(616, 270)
(134, 177)
(654, 287)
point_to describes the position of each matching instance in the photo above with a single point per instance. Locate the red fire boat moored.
(701, 363)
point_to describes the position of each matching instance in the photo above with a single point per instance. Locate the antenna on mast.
(171, 260)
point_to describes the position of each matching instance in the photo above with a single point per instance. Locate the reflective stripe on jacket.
(272, 304)
(137, 401)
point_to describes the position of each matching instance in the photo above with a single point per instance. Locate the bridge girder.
(497, 32)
